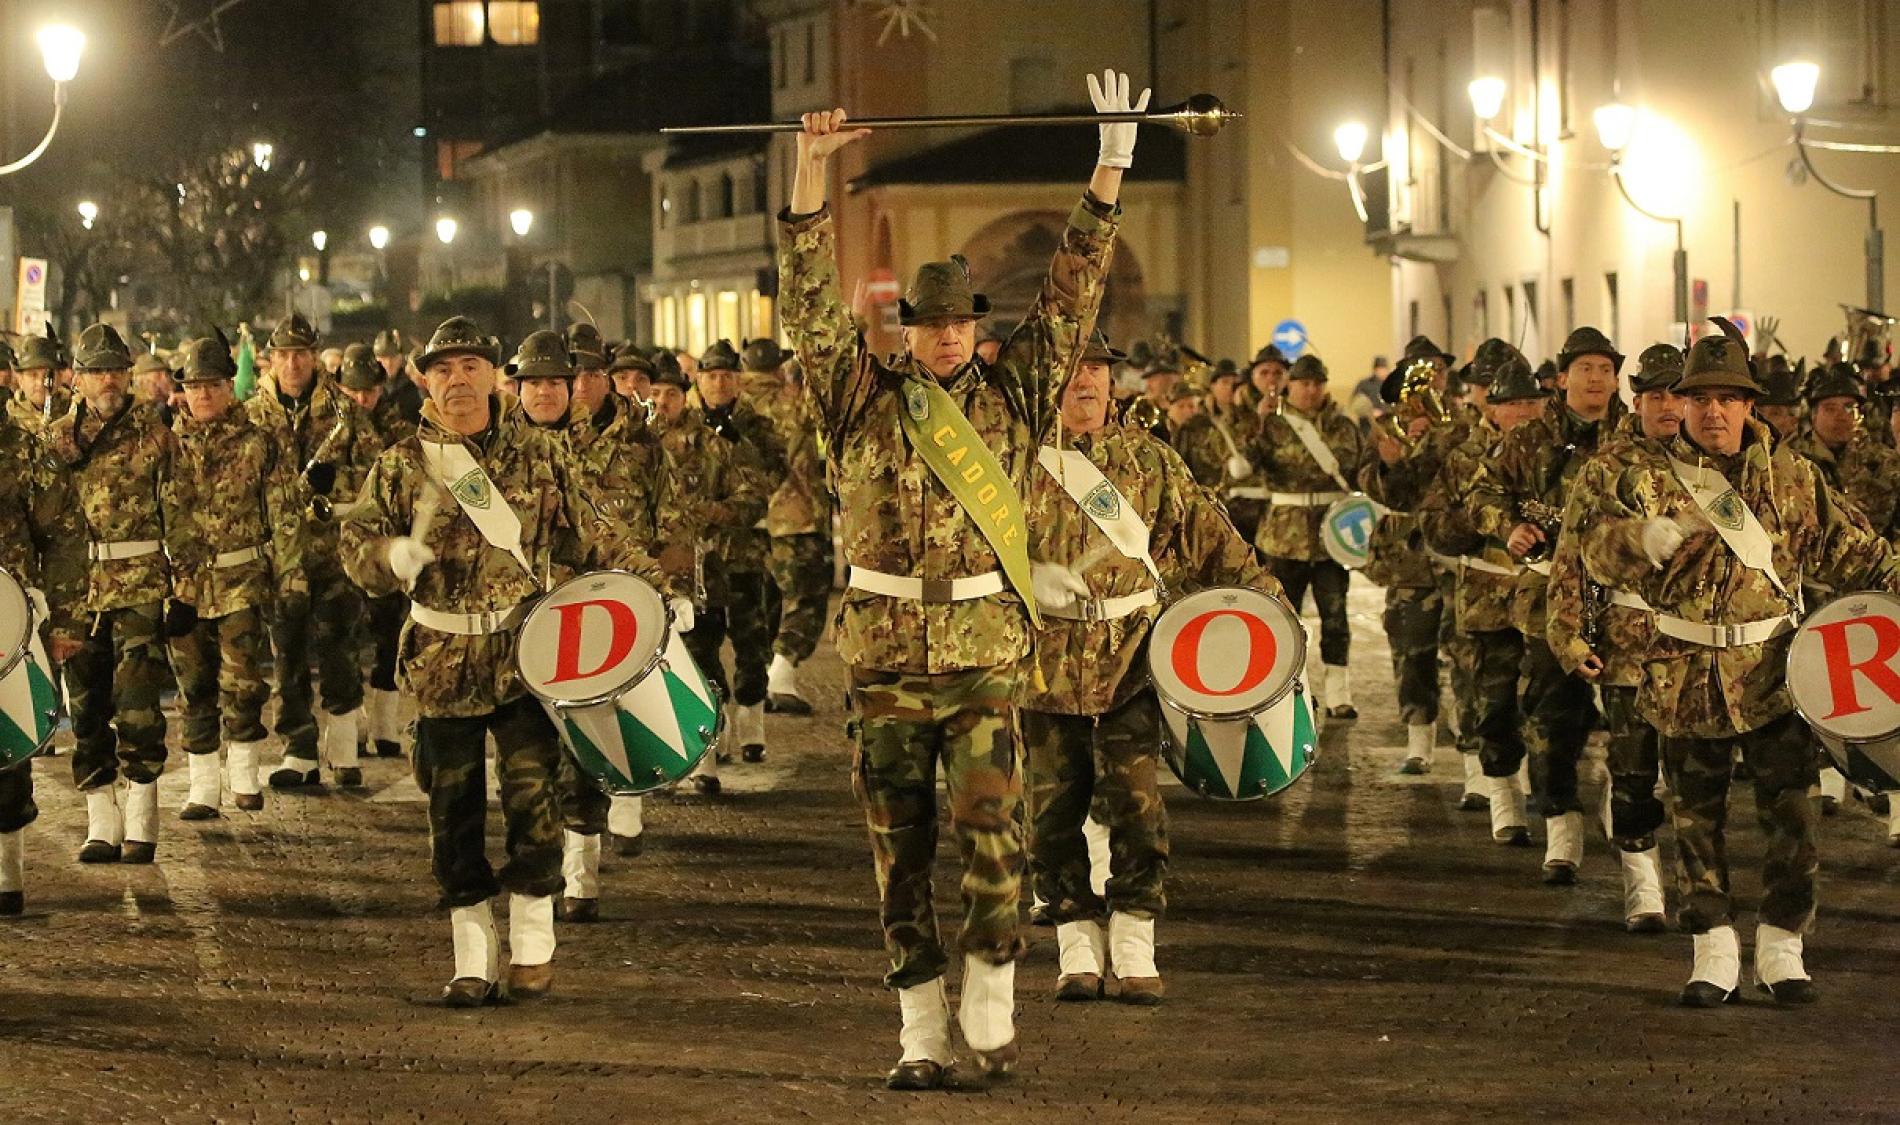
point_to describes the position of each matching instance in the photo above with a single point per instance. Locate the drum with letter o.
(1347, 529)
(600, 654)
(29, 703)
(1844, 675)
(1225, 664)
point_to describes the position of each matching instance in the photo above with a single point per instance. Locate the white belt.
(1305, 499)
(1724, 636)
(1629, 601)
(123, 549)
(1472, 562)
(935, 590)
(468, 624)
(1104, 609)
(1542, 567)
(1247, 492)
(237, 558)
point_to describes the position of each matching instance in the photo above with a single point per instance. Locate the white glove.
(1055, 585)
(1661, 538)
(407, 556)
(1110, 95)
(683, 618)
(1239, 468)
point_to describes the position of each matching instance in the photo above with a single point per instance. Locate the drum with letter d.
(1226, 663)
(1347, 529)
(600, 654)
(1844, 675)
(29, 703)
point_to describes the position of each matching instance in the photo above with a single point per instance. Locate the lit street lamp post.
(60, 48)
(1794, 84)
(445, 228)
(1616, 127)
(521, 220)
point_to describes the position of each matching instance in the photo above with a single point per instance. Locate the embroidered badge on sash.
(472, 489)
(1727, 510)
(917, 402)
(1103, 502)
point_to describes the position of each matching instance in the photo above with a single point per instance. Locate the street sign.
(1744, 319)
(1290, 337)
(29, 315)
(881, 286)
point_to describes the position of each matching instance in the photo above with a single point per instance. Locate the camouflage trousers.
(1635, 760)
(584, 803)
(220, 668)
(1461, 658)
(1781, 756)
(742, 617)
(450, 767)
(385, 619)
(330, 624)
(113, 685)
(1328, 581)
(801, 580)
(1559, 714)
(1414, 620)
(1108, 763)
(1497, 662)
(909, 726)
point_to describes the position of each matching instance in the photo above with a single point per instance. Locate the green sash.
(958, 457)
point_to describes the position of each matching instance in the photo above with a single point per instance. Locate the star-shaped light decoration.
(901, 16)
(195, 17)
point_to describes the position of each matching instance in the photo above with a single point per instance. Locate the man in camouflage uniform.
(1091, 725)
(632, 373)
(1246, 492)
(1780, 403)
(43, 548)
(1726, 599)
(1417, 587)
(236, 495)
(1604, 636)
(721, 474)
(798, 519)
(457, 658)
(121, 461)
(1192, 434)
(333, 442)
(38, 399)
(364, 378)
(932, 628)
(1308, 453)
(1518, 499)
(399, 407)
(1487, 582)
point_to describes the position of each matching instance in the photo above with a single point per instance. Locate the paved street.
(1355, 950)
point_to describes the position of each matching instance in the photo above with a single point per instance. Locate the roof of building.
(1018, 154)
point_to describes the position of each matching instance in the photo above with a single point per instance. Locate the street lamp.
(1794, 84)
(1350, 139)
(319, 239)
(88, 213)
(1487, 96)
(60, 48)
(521, 219)
(1616, 128)
(445, 228)
(261, 152)
(378, 237)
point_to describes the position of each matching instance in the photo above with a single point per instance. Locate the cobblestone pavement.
(1355, 950)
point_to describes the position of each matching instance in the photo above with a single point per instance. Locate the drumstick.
(422, 517)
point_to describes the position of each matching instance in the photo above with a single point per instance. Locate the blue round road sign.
(1290, 337)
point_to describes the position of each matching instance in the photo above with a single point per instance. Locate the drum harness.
(1322, 456)
(1115, 518)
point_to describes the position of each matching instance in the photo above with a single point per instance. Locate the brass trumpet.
(1201, 115)
(1418, 398)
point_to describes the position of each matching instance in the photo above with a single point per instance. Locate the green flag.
(246, 364)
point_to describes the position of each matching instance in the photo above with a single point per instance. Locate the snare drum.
(1844, 675)
(29, 703)
(1346, 530)
(1226, 664)
(632, 707)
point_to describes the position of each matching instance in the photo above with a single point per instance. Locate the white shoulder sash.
(1731, 517)
(1316, 447)
(456, 470)
(1101, 502)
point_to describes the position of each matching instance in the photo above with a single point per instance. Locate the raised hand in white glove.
(407, 556)
(1110, 95)
(1055, 585)
(1661, 538)
(683, 617)
(1239, 468)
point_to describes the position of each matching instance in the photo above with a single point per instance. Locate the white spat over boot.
(105, 826)
(1421, 741)
(1778, 968)
(1131, 952)
(987, 1014)
(141, 822)
(477, 956)
(530, 945)
(1717, 970)
(1643, 911)
(1082, 959)
(207, 786)
(1477, 794)
(241, 762)
(340, 747)
(1563, 848)
(924, 1038)
(1509, 825)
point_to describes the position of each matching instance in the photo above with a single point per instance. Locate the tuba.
(1418, 398)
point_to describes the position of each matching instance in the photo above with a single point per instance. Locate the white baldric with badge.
(1735, 522)
(1115, 517)
(1317, 449)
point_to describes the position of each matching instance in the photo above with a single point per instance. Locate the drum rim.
(658, 657)
(712, 747)
(1168, 743)
(1326, 522)
(1299, 661)
(26, 634)
(1787, 670)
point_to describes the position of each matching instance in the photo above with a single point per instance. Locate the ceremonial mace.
(1202, 115)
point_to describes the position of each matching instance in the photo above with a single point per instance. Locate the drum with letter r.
(1347, 529)
(29, 703)
(1844, 675)
(1225, 662)
(600, 653)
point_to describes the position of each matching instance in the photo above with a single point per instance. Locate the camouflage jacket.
(1526, 482)
(1692, 691)
(801, 504)
(1236, 427)
(1484, 596)
(36, 420)
(391, 419)
(121, 469)
(724, 484)
(1091, 667)
(1398, 556)
(561, 532)
(234, 488)
(897, 518)
(323, 426)
(1293, 531)
(1201, 446)
(1865, 473)
(1581, 619)
(42, 539)
(620, 460)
